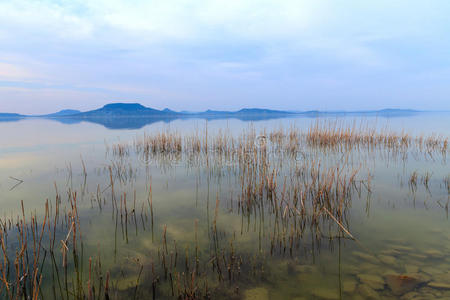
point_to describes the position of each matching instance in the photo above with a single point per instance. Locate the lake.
(294, 208)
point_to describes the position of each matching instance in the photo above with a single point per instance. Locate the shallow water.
(399, 229)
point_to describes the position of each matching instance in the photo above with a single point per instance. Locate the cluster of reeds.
(310, 195)
(336, 134)
(277, 194)
(425, 180)
(49, 253)
(120, 149)
(21, 273)
(413, 181)
(162, 142)
(222, 146)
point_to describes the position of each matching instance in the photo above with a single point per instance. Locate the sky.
(224, 54)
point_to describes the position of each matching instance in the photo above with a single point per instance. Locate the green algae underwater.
(329, 211)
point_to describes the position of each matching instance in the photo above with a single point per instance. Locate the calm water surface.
(402, 231)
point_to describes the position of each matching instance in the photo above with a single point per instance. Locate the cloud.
(179, 53)
(41, 18)
(13, 72)
(160, 20)
(46, 100)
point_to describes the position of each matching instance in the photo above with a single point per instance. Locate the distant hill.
(135, 115)
(388, 110)
(64, 112)
(244, 111)
(258, 111)
(397, 112)
(138, 110)
(9, 115)
(125, 110)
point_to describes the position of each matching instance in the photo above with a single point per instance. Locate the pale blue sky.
(224, 54)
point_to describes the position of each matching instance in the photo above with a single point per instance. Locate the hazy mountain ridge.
(138, 110)
(135, 115)
(11, 115)
(64, 112)
(121, 109)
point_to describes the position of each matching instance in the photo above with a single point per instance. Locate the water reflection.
(138, 122)
(238, 219)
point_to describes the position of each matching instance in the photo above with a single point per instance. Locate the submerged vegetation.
(274, 200)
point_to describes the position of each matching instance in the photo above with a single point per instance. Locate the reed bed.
(338, 135)
(334, 136)
(281, 187)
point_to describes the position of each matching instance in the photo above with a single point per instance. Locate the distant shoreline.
(137, 110)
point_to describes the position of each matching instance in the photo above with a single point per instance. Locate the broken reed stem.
(338, 223)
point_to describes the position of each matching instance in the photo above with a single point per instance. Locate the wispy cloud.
(306, 54)
(13, 72)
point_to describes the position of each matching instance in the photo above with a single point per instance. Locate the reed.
(281, 186)
(447, 184)
(413, 181)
